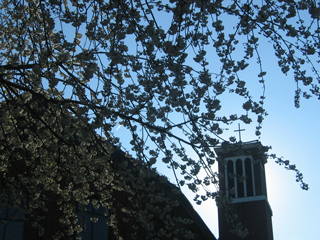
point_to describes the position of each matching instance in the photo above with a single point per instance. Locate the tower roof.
(252, 148)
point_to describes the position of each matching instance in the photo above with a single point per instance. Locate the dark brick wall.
(255, 216)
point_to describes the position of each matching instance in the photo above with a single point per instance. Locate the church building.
(244, 188)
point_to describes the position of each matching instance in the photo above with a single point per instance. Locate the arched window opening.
(230, 172)
(263, 180)
(240, 182)
(249, 178)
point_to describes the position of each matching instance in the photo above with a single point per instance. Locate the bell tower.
(244, 184)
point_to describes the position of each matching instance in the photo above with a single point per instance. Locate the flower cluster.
(71, 71)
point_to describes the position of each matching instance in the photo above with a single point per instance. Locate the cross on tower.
(239, 130)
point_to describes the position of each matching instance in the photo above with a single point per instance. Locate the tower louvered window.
(230, 172)
(263, 180)
(249, 180)
(240, 182)
(243, 183)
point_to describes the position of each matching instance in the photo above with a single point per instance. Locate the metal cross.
(239, 130)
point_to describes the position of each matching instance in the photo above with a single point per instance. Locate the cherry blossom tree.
(72, 71)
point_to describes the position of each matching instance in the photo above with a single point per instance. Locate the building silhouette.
(244, 182)
(15, 225)
(44, 221)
